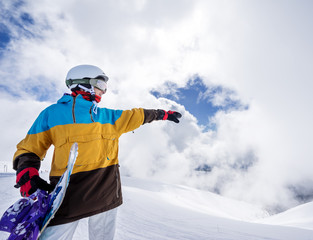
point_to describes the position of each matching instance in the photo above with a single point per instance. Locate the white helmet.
(86, 74)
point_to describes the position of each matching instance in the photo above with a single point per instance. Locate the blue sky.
(198, 98)
(4, 36)
(15, 23)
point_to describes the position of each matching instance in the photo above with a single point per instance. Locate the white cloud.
(261, 50)
(16, 117)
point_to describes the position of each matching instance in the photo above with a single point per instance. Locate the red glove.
(29, 181)
(168, 115)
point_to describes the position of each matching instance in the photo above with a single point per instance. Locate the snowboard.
(59, 191)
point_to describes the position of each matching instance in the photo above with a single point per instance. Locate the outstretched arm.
(130, 120)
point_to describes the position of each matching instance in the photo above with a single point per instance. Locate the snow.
(155, 210)
(300, 216)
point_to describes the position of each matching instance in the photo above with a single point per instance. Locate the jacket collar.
(65, 98)
(69, 98)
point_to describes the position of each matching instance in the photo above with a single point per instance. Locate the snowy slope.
(300, 216)
(154, 210)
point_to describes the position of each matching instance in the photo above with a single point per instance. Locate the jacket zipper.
(90, 111)
(73, 109)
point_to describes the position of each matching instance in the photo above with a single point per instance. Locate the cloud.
(259, 53)
(17, 117)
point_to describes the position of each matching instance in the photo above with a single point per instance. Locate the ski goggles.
(97, 83)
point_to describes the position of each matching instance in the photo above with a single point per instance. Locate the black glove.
(29, 181)
(168, 115)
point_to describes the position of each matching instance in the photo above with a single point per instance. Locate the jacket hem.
(60, 221)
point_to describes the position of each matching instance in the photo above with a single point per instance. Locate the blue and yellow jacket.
(95, 183)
